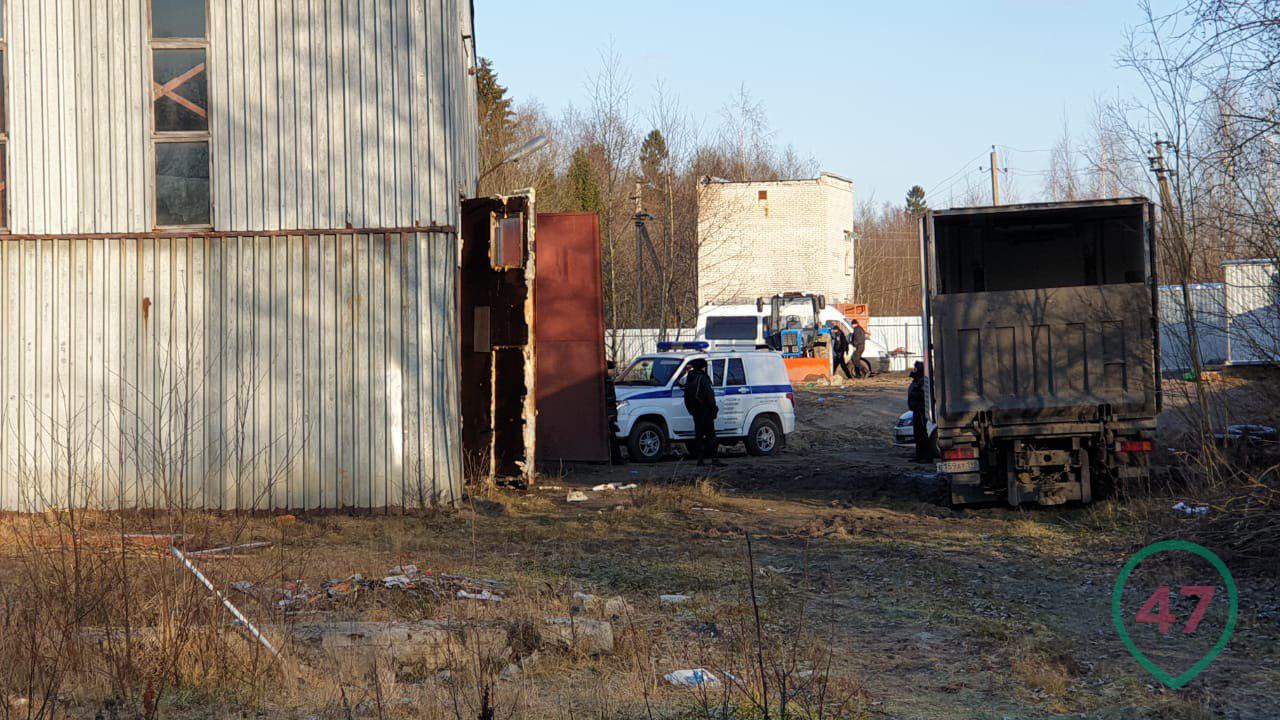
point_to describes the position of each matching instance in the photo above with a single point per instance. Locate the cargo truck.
(1041, 337)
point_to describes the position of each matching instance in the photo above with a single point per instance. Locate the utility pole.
(995, 178)
(1172, 228)
(643, 244)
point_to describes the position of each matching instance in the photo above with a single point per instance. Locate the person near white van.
(753, 395)
(700, 401)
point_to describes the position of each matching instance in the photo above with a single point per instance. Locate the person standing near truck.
(918, 404)
(700, 401)
(839, 348)
(859, 344)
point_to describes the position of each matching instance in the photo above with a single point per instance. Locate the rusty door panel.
(569, 330)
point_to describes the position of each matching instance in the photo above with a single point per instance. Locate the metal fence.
(1209, 303)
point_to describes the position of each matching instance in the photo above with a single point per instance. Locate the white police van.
(757, 403)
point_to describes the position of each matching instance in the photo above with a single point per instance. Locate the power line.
(967, 163)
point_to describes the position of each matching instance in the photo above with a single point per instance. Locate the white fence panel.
(1209, 303)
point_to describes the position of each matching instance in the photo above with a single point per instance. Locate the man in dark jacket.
(700, 401)
(918, 404)
(839, 348)
(859, 343)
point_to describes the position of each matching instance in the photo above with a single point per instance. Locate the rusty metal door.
(569, 328)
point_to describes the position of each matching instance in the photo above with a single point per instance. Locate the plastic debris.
(614, 486)
(243, 586)
(1197, 511)
(343, 588)
(674, 599)
(484, 596)
(228, 550)
(696, 678)
(576, 496)
(235, 612)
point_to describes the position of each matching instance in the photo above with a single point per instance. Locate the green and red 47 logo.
(1156, 608)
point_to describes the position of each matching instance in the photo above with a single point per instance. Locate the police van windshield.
(651, 371)
(732, 327)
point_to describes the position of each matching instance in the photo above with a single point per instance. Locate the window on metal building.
(4, 126)
(180, 105)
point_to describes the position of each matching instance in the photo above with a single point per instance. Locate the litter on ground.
(576, 496)
(674, 599)
(697, 677)
(1197, 511)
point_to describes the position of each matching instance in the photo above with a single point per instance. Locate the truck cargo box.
(1042, 322)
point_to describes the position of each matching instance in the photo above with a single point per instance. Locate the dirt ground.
(862, 575)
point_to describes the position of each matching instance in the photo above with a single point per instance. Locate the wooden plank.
(346, 363)
(29, 379)
(196, 371)
(297, 364)
(395, 372)
(215, 344)
(131, 300)
(232, 399)
(239, 370)
(272, 128)
(413, 457)
(149, 421)
(313, 442)
(339, 115)
(329, 303)
(260, 290)
(278, 306)
(287, 89)
(166, 395)
(359, 371)
(419, 115)
(238, 135)
(377, 376)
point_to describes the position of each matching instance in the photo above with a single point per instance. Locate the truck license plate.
(953, 467)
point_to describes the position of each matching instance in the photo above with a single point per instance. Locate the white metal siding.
(1253, 310)
(1209, 302)
(277, 372)
(324, 114)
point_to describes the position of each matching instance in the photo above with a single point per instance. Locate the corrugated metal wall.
(324, 114)
(278, 372)
(1209, 302)
(1253, 311)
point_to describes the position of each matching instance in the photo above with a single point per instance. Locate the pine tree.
(495, 109)
(584, 190)
(916, 204)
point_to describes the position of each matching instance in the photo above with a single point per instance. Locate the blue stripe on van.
(762, 389)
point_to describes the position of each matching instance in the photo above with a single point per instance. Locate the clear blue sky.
(887, 93)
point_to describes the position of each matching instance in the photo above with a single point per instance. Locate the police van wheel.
(648, 442)
(765, 437)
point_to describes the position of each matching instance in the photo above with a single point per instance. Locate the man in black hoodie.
(700, 401)
(918, 404)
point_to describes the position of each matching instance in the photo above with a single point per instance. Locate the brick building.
(760, 238)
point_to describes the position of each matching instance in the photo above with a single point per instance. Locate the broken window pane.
(181, 91)
(178, 18)
(182, 184)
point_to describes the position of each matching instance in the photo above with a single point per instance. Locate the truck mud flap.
(968, 489)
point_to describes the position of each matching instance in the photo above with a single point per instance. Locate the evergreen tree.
(584, 190)
(495, 110)
(653, 156)
(916, 204)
